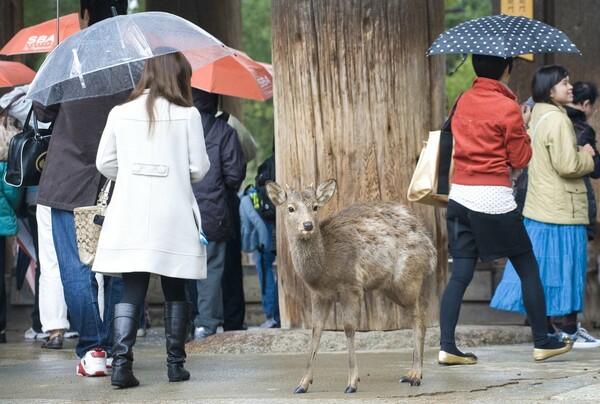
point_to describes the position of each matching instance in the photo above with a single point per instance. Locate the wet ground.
(264, 366)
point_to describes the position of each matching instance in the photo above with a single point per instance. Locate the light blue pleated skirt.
(561, 253)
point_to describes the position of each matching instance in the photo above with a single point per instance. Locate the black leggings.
(135, 287)
(531, 287)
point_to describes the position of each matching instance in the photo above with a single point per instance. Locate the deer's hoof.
(413, 382)
(299, 390)
(350, 389)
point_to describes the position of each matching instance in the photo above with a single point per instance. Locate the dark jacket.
(585, 134)
(70, 178)
(226, 173)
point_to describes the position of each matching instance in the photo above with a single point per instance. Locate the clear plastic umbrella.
(108, 57)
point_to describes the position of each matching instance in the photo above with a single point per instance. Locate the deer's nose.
(308, 226)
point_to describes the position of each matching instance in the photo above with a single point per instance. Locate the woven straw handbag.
(88, 223)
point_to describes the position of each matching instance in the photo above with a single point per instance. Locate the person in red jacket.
(482, 218)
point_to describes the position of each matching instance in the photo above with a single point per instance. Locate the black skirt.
(489, 237)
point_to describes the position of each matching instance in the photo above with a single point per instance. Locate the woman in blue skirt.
(556, 211)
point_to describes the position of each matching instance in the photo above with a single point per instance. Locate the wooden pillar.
(355, 97)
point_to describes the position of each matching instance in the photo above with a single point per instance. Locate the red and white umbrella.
(236, 75)
(14, 74)
(41, 37)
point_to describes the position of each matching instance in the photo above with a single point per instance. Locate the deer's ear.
(277, 194)
(325, 191)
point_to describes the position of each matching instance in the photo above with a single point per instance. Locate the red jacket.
(489, 135)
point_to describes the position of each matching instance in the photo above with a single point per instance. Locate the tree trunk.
(221, 18)
(11, 18)
(355, 97)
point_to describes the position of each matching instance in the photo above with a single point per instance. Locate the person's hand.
(588, 148)
(526, 112)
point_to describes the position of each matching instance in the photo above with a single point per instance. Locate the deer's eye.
(291, 209)
(315, 208)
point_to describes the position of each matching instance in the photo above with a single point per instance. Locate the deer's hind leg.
(321, 307)
(350, 305)
(415, 374)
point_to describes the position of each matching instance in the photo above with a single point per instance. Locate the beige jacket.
(556, 192)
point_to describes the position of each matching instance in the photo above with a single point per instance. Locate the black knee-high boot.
(125, 325)
(177, 316)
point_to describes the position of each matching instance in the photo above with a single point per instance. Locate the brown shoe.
(542, 354)
(448, 359)
(54, 342)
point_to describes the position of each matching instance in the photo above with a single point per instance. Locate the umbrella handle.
(57, 22)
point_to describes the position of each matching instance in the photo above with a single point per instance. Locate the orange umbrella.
(237, 75)
(14, 74)
(41, 37)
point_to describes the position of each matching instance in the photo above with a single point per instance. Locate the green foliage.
(37, 11)
(258, 116)
(458, 11)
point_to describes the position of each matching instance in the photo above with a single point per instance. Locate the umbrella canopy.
(236, 75)
(41, 37)
(108, 57)
(502, 35)
(14, 74)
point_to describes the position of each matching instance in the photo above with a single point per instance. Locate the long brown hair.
(168, 76)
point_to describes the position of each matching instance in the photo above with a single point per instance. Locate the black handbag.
(27, 154)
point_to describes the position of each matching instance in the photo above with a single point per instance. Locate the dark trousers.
(232, 282)
(135, 287)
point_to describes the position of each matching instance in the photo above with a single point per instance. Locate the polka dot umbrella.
(502, 35)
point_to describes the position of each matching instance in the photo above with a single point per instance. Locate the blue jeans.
(268, 282)
(81, 289)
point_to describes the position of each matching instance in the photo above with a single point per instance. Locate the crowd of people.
(546, 245)
(183, 145)
(164, 138)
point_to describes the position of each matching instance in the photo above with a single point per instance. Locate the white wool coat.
(152, 223)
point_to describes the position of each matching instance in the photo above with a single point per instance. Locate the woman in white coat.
(153, 147)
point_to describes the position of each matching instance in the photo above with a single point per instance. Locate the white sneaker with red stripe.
(93, 363)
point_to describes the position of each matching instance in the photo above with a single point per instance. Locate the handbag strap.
(104, 194)
(537, 124)
(445, 152)
(10, 104)
(5, 112)
(35, 124)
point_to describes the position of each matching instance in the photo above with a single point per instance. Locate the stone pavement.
(264, 366)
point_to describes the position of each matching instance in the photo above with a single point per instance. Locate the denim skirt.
(561, 253)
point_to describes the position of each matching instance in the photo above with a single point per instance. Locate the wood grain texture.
(355, 97)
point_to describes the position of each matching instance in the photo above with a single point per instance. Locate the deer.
(366, 246)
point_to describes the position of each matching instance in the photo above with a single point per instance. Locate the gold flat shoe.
(542, 354)
(448, 359)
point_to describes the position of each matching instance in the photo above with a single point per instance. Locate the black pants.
(473, 235)
(135, 287)
(232, 282)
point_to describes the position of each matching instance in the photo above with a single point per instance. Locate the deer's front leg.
(321, 307)
(350, 305)
(415, 374)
